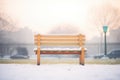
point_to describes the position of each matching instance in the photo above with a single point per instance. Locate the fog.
(20, 20)
(65, 29)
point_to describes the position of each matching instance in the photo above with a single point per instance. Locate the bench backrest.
(59, 40)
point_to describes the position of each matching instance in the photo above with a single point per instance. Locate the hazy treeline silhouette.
(24, 35)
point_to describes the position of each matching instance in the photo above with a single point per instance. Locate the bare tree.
(6, 23)
(105, 15)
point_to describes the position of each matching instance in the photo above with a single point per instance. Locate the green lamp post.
(105, 28)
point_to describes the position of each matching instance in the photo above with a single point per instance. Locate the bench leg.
(82, 54)
(38, 56)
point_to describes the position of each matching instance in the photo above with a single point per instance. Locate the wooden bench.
(58, 41)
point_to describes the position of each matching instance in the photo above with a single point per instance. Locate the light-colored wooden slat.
(59, 44)
(82, 37)
(51, 39)
(38, 44)
(36, 36)
(60, 37)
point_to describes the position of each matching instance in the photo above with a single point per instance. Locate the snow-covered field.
(59, 72)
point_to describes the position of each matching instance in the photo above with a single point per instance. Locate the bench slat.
(59, 44)
(56, 39)
(60, 52)
(59, 37)
(62, 41)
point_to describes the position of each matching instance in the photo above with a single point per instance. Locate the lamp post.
(105, 28)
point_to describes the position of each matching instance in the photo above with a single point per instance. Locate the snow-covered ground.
(59, 72)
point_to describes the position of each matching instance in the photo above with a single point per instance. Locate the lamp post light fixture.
(105, 28)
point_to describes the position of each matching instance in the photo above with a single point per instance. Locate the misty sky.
(44, 15)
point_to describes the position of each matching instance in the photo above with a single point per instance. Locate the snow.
(59, 72)
(60, 48)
